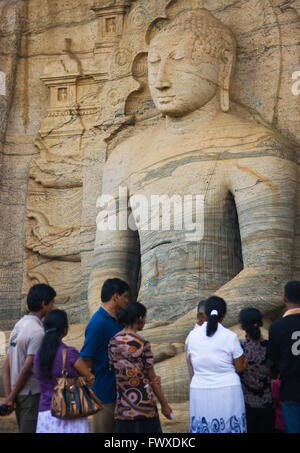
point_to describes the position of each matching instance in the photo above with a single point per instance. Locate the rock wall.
(51, 154)
(12, 161)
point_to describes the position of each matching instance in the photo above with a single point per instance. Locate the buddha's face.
(179, 83)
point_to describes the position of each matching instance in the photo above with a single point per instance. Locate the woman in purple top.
(48, 367)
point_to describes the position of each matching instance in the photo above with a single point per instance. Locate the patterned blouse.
(256, 379)
(130, 357)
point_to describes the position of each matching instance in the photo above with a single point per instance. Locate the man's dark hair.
(292, 291)
(201, 306)
(111, 287)
(37, 294)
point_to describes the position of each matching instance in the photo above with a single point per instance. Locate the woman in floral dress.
(131, 358)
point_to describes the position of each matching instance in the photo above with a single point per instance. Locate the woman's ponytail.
(55, 325)
(215, 310)
(251, 321)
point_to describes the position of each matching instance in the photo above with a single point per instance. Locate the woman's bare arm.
(189, 364)
(240, 363)
(165, 408)
(6, 376)
(83, 370)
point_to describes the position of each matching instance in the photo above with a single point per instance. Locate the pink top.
(279, 422)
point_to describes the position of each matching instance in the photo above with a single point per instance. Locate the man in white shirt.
(20, 385)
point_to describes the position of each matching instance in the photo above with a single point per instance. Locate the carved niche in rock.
(62, 117)
(110, 21)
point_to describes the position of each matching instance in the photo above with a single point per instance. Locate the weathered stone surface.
(79, 119)
(12, 164)
(210, 147)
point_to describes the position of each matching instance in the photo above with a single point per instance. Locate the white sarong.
(217, 410)
(46, 423)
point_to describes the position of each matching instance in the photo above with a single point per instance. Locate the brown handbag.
(72, 397)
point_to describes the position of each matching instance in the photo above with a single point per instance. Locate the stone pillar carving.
(11, 206)
(55, 189)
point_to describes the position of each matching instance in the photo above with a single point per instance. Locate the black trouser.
(145, 425)
(260, 420)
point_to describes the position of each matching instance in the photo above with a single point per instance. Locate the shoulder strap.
(64, 357)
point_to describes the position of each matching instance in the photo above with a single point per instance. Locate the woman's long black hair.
(215, 310)
(251, 321)
(55, 325)
(131, 314)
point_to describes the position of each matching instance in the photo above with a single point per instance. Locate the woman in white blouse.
(215, 356)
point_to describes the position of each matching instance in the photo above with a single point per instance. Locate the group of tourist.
(252, 385)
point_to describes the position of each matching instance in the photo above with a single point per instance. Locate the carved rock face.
(179, 84)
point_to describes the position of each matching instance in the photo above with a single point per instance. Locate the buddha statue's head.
(190, 61)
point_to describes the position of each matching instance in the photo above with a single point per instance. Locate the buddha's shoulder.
(233, 130)
(248, 129)
(135, 143)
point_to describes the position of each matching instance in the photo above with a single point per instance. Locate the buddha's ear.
(226, 69)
